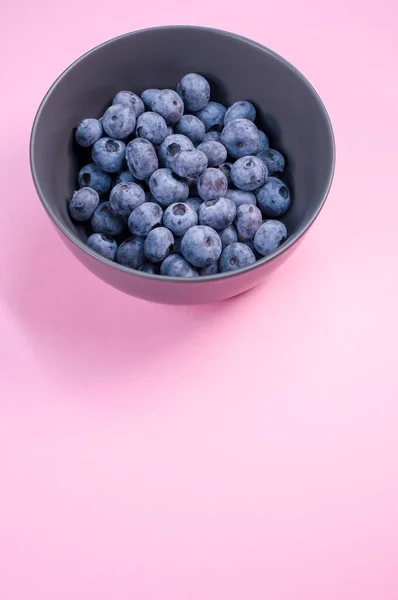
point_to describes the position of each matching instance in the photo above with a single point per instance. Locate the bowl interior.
(288, 109)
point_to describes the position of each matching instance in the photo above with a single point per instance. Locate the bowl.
(289, 109)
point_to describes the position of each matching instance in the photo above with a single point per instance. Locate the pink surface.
(240, 451)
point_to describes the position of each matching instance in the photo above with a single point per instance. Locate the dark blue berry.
(94, 177)
(273, 160)
(144, 218)
(118, 121)
(228, 235)
(248, 219)
(125, 197)
(83, 204)
(147, 97)
(249, 173)
(215, 151)
(166, 189)
(150, 268)
(201, 246)
(131, 100)
(273, 198)
(209, 270)
(88, 132)
(241, 197)
(241, 138)
(240, 110)
(236, 256)
(189, 163)
(192, 127)
(195, 91)
(131, 252)
(109, 154)
(269, 237)
(105, 220)
(103, 244)
(179, 217)
(176, 266)
(152, 127)
(171, 146)
(212, 183)
(169, 105)
(212, 115)
(141, 158)
(217, 213)
(159, 243)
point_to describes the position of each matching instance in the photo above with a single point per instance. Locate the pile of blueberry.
(179, 185)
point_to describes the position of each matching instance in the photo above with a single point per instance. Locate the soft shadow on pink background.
(245, 450)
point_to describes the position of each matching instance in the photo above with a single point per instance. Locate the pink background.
(242, 451)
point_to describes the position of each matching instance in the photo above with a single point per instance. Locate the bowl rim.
(293, 239)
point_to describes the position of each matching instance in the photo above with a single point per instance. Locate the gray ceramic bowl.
(237, 68)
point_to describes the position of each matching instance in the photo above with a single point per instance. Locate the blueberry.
(131, 100)
(88, 132)
(151, 268)
(168, 104)
(249, 173)
(217, 213)
(171, 146)
(159, 243)
(169, 131)
(273, 160)
(105, 220)
(194, 203)
(176, 266)
(195, 91)
(152, 127)
(109, 154)
(264, 141)
(201, 246)
(212, 136)
(103, 244)
(241, 138)
(118, 121)
(124, 177)
(226, 169)
(240, 197)
(94, 177)
(179, 217)
(212, 184)
(248, 219)
(269, 237)
(144, 218)
(83, 204)
(192, 127)
(228, 236)
(189, 163)
(212, 115)
(141, 158)
(131, 252)
(125, 197)
(273, 198)
(209, 270)
(236, 256)
(166, 189)
(240, 110)
(215, 152)
(147, 97)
